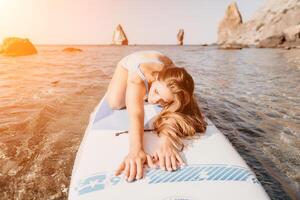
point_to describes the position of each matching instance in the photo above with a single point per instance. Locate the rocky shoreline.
(275, 25)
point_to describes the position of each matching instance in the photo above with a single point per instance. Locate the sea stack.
(180, 37)
(14, 46)
(119, 36)
(228, 26)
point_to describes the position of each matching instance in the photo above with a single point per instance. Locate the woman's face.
(160, 94)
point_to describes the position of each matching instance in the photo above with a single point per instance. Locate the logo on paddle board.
(194, 173)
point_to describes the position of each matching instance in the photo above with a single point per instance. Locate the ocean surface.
(251, 95)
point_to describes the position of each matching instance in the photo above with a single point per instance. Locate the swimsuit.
(133, 61)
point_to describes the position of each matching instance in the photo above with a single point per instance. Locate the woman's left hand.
(167, 156)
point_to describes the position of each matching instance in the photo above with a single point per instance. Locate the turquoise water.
(251, 95)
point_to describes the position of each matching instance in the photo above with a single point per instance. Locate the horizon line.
(95, 44)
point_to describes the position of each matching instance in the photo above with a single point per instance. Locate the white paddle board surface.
(214, 169)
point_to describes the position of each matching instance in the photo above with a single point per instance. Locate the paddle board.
(214, 169)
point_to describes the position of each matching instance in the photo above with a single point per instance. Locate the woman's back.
(132, 61)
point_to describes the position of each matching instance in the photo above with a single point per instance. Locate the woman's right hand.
(133, 164)
(167, 155)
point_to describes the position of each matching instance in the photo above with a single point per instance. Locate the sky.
(93, 21)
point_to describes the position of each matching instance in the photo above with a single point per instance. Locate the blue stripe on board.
(222, 174)
(234, 174)
(173, 174)
(219, 173)
(196, 176)
(245, 178)
(209, 173)
(157, 176)
(167, 176)
(184, 172)
(229, 173)
(190, 174)
(240, 176)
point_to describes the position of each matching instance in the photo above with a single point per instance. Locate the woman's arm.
(134, 161)
(135, 105)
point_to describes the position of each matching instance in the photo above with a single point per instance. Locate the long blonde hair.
(182, 118)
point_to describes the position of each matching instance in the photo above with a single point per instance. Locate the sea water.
(251, 95)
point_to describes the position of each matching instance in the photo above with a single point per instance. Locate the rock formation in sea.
(276, 24)
(180, 37)
(14, 46)
(72, 49)
(228, 26)
(119, 36)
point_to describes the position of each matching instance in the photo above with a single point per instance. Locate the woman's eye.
(162, 103)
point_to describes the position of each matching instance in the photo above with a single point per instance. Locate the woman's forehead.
(164, 91)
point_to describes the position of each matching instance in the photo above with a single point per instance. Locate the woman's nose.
(156, 100)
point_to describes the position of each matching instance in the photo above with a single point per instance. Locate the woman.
(152, 76)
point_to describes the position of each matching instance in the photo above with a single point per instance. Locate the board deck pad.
(214, 169)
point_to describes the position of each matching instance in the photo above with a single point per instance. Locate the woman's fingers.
(174, 163)
(126, 171)
(162, 162)
(132, 171)
(150, 162)
(178, 157)
(155, 157)
(168, 163)
(120, 169)
(139, 169)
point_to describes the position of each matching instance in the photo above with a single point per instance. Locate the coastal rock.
(232, 46)
(17, 47)
(274, 19)
(271, 42)
(292, 34)
(231, 21)
(180, 36)
(71, 49)
(119, 36)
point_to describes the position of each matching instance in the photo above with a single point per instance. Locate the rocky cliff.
(276, 24)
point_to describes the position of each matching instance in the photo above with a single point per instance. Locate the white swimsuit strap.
(142, 75)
